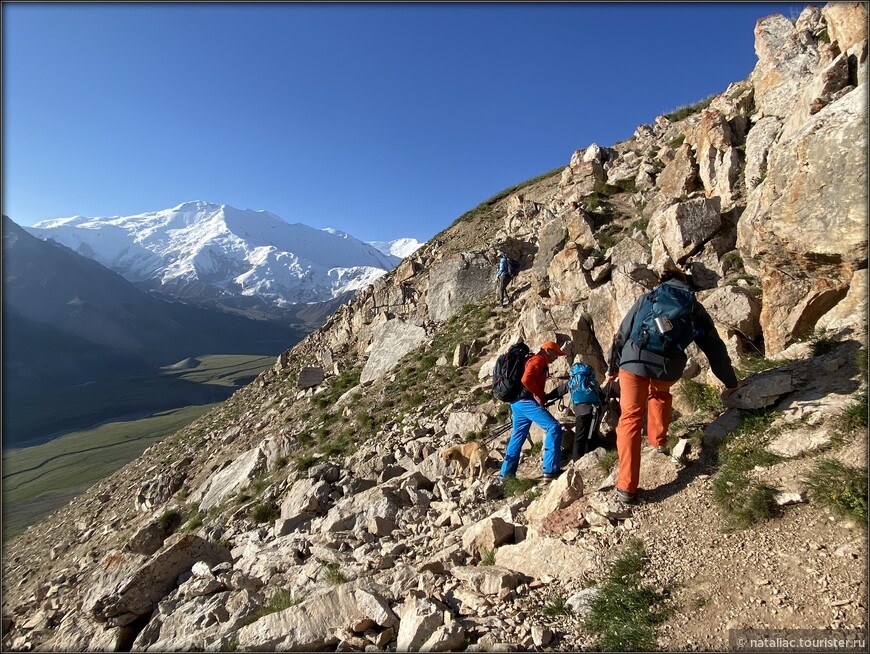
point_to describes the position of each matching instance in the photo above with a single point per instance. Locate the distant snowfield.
(198, 249)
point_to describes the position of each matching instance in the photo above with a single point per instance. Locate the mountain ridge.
(199, 250)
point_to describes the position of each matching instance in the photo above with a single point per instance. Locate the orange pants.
(639, 395)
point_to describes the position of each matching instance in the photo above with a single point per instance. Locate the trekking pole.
(498, 432)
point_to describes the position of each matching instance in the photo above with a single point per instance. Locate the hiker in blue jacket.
(587, 400)
(503, 278)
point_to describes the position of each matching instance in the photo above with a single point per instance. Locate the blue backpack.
(583, 385)
(663, 324)
(513, 267)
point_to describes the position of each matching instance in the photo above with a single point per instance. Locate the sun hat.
(550, 345)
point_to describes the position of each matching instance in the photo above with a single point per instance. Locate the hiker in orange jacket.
(530, 407)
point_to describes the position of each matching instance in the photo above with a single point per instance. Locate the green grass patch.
(487, 557)
(264, 512)
(743, 501)
(841, 487)
(822, 342)
(608, 460)
(640, 224)
(278, 602)
(306, 462)
(687, 110)
(853, 417)
(334, 575)
(626, 611)
(518, 486)
(30, 418)
(484, 210)
(558, 605)
(677, 141)
(195, 521)
(40, 479)
(754, 363)
(170, 520)
(701, 397)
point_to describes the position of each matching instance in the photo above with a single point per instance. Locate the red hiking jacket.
(535, 376)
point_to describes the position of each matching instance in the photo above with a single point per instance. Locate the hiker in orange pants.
(639, 395)
(649, 353)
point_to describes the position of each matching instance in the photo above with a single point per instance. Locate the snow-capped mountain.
(202, 250)
(401, 247)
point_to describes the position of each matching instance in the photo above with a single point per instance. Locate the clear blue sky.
(384, 120)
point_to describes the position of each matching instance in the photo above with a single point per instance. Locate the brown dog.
(471, 456)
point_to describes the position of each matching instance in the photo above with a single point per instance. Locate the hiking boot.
(624, 497)
(550, 476)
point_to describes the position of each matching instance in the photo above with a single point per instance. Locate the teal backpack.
(583, 385)
(663, 324)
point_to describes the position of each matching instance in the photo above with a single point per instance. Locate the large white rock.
(390, 342)
(540, 557)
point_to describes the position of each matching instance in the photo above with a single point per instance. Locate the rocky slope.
(312, 511)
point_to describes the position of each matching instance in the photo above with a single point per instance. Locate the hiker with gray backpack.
(648, 356)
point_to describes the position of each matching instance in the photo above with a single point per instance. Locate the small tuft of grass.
(334, 575)
(306, 462)
(264, 512)
(279, 463)
(558, 606)
(640, 224)
(278, 602)
(853, 417)
(487, 557)
(687, 110)
(755, 363)
(170, 520)
(841, 487)
(701, 397)
(626, 611)
(517, 486)
(195, 521)
(608, 460)
(822, 342)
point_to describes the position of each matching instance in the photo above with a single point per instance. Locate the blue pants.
(526, 412)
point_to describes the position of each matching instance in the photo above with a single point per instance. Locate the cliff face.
(321, 482)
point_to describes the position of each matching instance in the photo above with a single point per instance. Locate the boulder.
(540, 557)
(487, 534)
(803, 230)
(122, 595)
(488, 580)
(561, 492)
(463, 279)
(786, 61)
(312, 624)
(310, 376)
(682, 229)
(421, 618)
(734, 308)
(390, 342)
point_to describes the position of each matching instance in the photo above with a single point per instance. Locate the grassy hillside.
(26, 421)
(41, 478)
